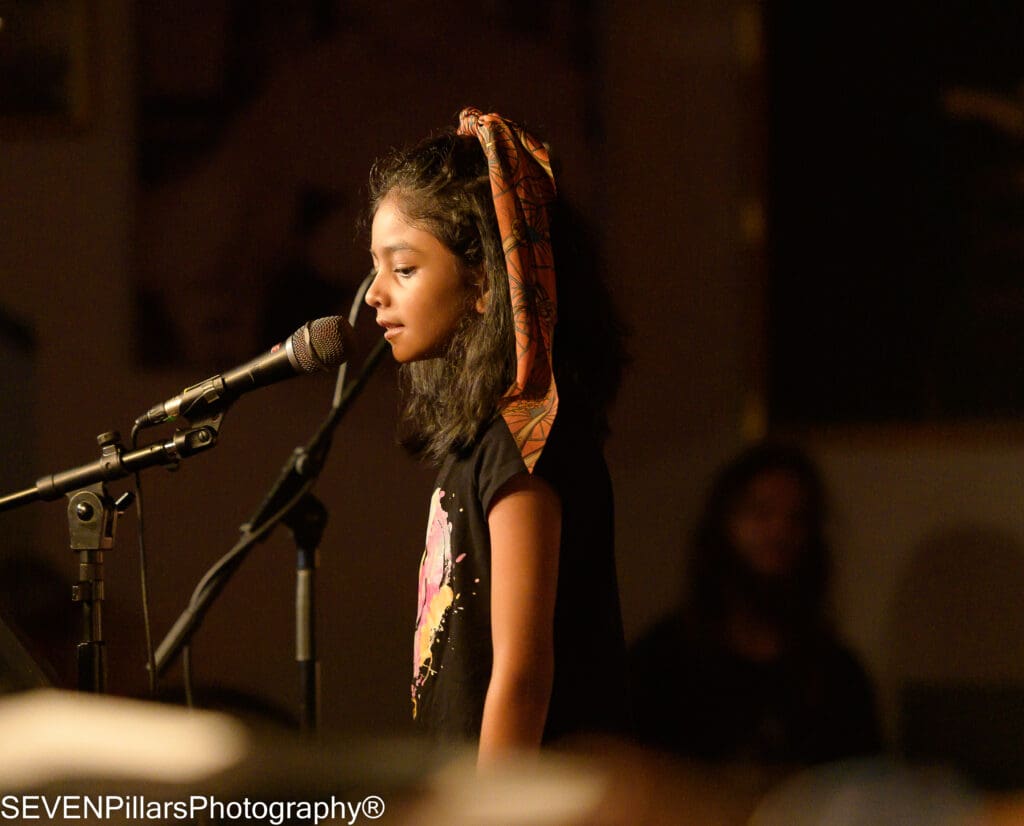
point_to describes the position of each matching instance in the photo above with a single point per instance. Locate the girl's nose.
(375, 295)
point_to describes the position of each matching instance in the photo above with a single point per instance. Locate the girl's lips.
(391, 330)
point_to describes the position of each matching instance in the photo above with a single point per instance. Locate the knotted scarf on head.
(523, 188)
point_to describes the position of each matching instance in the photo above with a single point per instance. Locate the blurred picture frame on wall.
(45, 63)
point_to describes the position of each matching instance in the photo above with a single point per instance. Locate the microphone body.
(315, 346)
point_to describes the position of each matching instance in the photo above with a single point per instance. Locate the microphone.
(317, 345)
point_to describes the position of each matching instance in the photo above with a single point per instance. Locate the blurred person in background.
(749, 667)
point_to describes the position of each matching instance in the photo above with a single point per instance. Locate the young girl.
(518, 632)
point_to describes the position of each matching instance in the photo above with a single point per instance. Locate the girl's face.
(420, 291)
(769, 526)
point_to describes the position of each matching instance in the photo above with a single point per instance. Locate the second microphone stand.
(291, 501)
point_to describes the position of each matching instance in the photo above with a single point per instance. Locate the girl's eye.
(405, 271)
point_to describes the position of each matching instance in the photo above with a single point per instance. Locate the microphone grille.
(320, 344)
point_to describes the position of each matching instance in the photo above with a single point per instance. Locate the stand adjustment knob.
(111, 437)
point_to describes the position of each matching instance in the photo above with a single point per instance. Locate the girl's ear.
(483, 292)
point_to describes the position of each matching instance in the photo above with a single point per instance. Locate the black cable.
(353, 316)
(150, 657)
(249, 538)
(341, 398)
(217, 577)
(338, 405)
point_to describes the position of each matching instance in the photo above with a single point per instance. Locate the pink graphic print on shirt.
(435, 595)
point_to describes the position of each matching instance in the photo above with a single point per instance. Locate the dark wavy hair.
(717, 573)
(442, 185)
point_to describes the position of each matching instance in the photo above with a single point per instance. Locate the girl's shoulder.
(489, 461)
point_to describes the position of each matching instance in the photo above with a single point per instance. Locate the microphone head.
(322, 344)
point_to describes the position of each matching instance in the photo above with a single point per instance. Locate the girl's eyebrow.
(398, 246)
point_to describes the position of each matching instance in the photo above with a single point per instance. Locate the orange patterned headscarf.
(523, 188)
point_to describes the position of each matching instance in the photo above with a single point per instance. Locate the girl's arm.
(525, 522)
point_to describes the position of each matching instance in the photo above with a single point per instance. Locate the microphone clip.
(200, 435)
(204, 399)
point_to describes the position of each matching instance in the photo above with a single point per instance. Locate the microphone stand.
(290, 501)
(307, 521)
(92, 523)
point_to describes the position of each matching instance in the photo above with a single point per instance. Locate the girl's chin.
(404, 357)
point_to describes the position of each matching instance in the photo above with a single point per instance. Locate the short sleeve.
(499, 460)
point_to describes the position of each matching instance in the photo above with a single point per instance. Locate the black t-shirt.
(452, 647)
(698, 699)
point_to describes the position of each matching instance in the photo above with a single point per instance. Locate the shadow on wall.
(956, 643)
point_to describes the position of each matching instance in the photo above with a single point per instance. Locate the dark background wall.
(659, 112)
